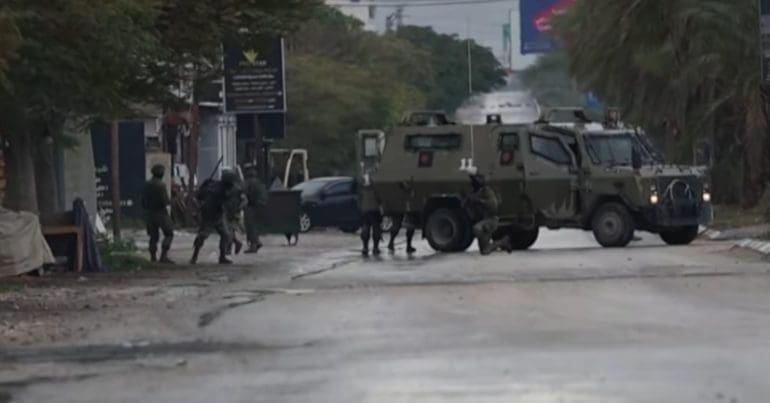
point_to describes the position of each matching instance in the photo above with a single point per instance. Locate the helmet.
(478, 181)
(158, 170)
(229, 177)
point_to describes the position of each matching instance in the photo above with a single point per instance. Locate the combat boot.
(238, 246)
(253, 248)
(194, 258)
(153, 256)
(164, 257)
(224, 260)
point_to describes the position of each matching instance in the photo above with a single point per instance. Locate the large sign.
(536, 26)
(255, 78)
(764, 30)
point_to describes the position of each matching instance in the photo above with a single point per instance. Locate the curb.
(761, 247)
(712, 234)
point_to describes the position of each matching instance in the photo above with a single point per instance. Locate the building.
(358, 9)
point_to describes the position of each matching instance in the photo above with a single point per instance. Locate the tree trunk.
(45, 175)
(20, 193)
(755, 151)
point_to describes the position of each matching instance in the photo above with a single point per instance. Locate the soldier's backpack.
(207, 193)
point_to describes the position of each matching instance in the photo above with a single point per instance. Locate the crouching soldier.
(482, 206)
(155, 203)
(213, 196)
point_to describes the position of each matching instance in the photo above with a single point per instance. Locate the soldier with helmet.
(482, 206)
(155, 202)
(257, 197)
(213, 196)
(371, 216)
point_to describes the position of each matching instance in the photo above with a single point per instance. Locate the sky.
(484, 22)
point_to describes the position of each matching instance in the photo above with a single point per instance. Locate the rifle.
(209, 180)
(216, 168)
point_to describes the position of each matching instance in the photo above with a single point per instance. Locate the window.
(508, 142)
(340, 189)
(427, 142)
(551, 149)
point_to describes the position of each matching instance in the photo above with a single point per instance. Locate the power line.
(426, 3)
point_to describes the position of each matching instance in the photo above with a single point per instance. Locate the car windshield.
(311, 187)
(611, 150)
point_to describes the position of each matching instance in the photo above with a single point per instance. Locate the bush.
(121, 254)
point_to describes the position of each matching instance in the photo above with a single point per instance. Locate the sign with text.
(536, 26)
(255, 77)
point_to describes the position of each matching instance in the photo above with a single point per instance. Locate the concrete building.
(358, 9)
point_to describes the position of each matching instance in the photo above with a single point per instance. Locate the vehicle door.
(508, 170)
(551, 178)
(339, 204)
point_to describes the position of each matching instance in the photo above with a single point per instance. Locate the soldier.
(371, 217)
(482, 206)
(408, 218)
(235, 202)
(213, 197)
(155, 203)
(256, 196)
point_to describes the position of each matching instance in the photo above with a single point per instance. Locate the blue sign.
(536, 27)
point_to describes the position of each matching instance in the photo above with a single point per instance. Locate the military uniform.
(371, 218)
(409, 217)
(235, 202)
(256, 196)
(482, 206)
(213, 199)
(155, 202)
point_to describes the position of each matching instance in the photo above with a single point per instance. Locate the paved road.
(565, 322)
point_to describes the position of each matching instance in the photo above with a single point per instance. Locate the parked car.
(331, 202)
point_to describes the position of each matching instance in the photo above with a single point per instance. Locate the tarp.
(22, 246)
(92, 261)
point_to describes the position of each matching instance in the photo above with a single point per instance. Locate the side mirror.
(636, 158)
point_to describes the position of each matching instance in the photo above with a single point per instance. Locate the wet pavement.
(565, 322)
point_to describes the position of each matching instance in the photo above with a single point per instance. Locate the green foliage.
(122, 254)
(689, 67)
(341, 79)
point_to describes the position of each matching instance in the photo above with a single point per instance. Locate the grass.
(121, 255)
(726, 217)
(7, 288)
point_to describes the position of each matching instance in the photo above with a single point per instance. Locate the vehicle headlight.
(707, 197)
(654, 199)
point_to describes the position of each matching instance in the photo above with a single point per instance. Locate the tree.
(449, 61)
(550, 82)
(689, 67)
(9, 39)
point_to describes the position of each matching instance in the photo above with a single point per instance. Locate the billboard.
(255, 77)
(536, 24)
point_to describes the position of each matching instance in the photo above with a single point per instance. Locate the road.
(564, 322)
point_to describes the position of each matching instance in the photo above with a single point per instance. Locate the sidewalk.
(152, 302)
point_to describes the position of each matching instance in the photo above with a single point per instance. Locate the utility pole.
(115, 171)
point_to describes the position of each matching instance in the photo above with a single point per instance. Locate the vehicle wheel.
(523, 239)
(446, 231)
(349, 230)
(680, 236)
(468, 235)
(305, 224)
(613, 225)
(387, 224)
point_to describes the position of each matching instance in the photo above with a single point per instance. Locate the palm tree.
(690, 66)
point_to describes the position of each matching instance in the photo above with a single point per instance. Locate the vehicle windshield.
(610, 150)
(311, 187)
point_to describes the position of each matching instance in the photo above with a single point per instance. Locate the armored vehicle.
(579, 175)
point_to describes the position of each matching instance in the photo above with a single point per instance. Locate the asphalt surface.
(564, 322)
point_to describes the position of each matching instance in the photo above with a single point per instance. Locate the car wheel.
(613, 225)
(305, 224)
(387, 224)
(445, 230)
(680, 236)
(523, 239)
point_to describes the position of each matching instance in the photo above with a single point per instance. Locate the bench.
(63, 224)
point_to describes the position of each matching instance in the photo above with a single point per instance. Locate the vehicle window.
(509, 142)
(310, 187)
(425, 142)
(610, 150)
(551, 149)
(340, 189)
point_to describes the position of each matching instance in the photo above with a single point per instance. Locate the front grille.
(680, 196)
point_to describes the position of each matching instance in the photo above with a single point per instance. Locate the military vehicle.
(548, 174)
